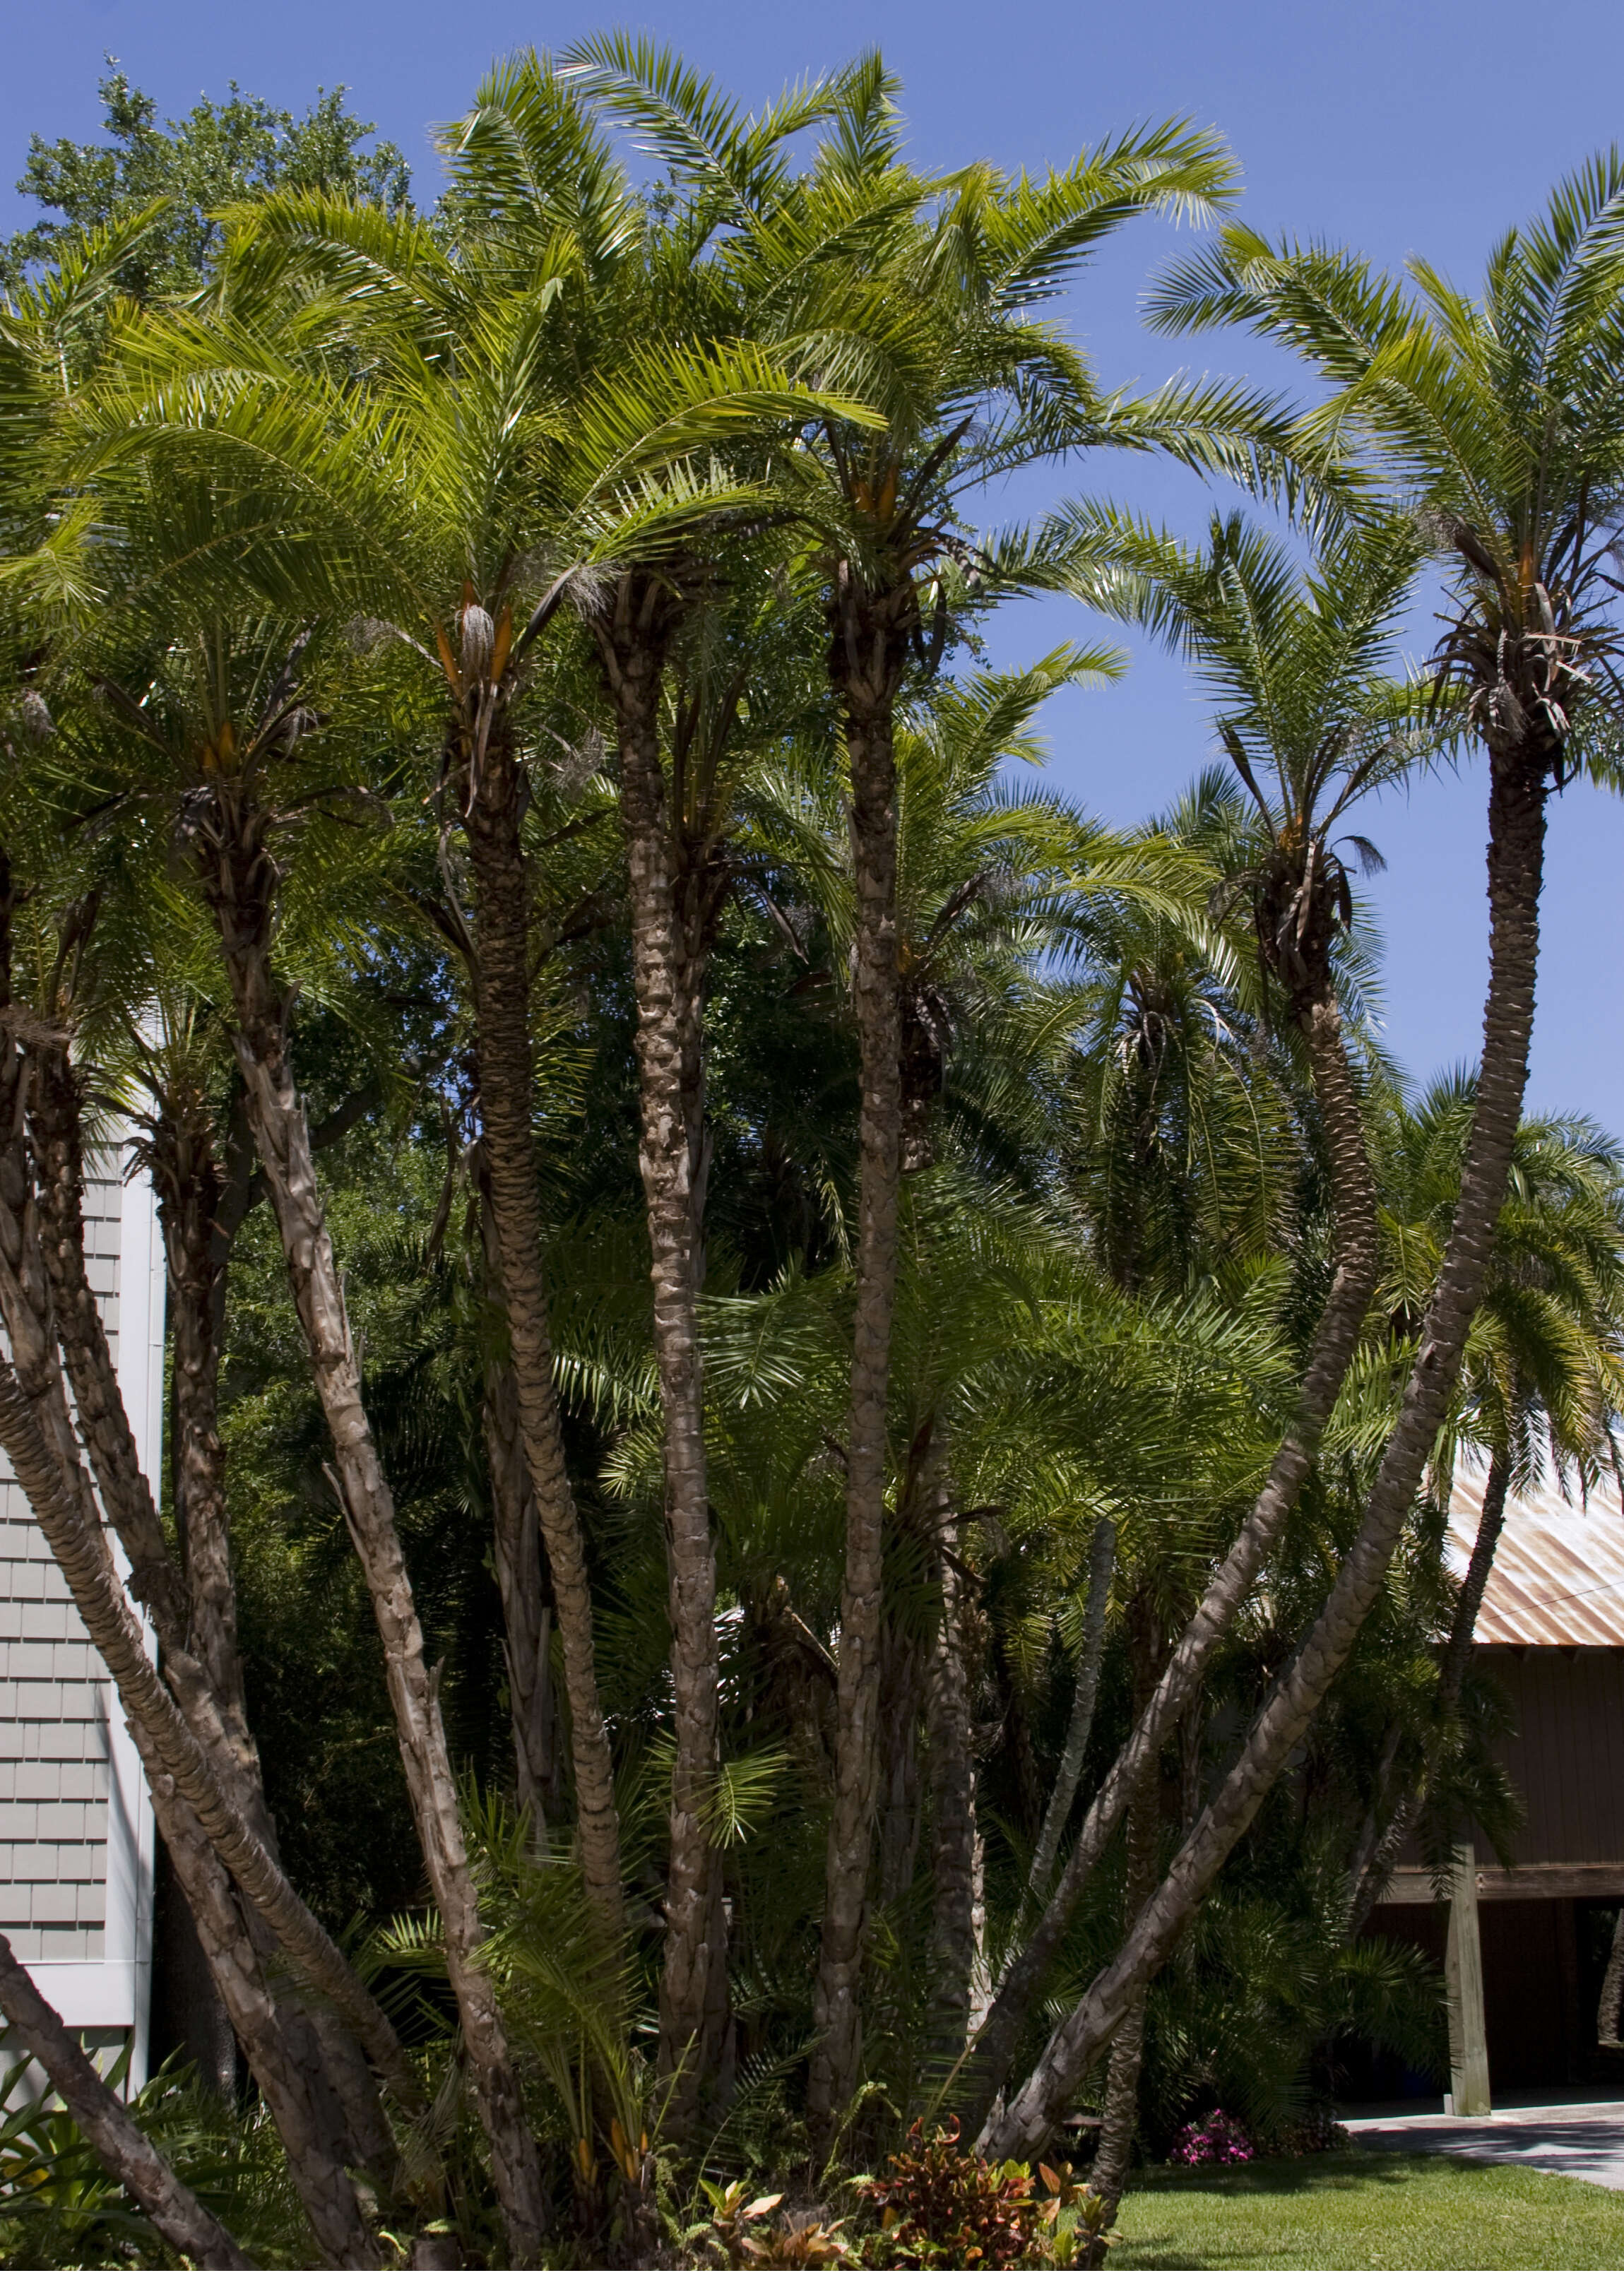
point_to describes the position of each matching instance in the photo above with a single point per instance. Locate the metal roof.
(1558, 1580)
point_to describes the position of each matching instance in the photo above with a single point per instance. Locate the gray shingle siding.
(53, 1754)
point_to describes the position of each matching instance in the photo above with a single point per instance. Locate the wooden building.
(1551, 1632)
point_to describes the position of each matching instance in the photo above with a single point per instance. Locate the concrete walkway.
(1582, 2139)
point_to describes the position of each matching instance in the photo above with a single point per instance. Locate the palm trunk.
(865, 661)
(632, 636)
(898, 1809)
(239, 883)
(192, 1209)
(180, 1155)
(491, 818)
(1113, 2156)
(1335, 1341)
(123, 2149)
(1372, 1873)
(288, 2061)
(204, 1830)
(1517, 846)
(955, 1941)
(59, 1494)
(527, 1615)
(516, 1535)
(53, 1104)
(40, 1435)
(1102, 1557)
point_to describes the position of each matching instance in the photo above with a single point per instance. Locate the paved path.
(1579, 2142)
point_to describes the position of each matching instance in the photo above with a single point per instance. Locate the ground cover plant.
(799, 1556)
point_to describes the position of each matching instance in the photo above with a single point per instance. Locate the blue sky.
(1399, 126)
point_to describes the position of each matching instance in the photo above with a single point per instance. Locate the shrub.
(944, 2204)
(1215, 2138)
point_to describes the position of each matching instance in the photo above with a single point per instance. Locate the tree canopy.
(811, 1399)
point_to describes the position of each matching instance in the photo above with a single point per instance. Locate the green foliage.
(944, 2204)
(214, 156)
(331, 463)
(59, 2207)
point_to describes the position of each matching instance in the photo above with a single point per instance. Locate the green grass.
(1368, 2210)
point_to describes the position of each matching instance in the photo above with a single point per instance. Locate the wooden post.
(1469, 2042)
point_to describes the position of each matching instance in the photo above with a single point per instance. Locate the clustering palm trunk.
(123, 2148)
(186, 1180)
(239, 880)
(196, 1213)
(867, 654)
(515, 1539)
(1335, 1341)
(490, 792)
(1114, 2155)
(206, 1836)
(211, 1812)
(1519, 777)
(633, 632)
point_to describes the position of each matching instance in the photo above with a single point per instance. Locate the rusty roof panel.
(1557, 1581)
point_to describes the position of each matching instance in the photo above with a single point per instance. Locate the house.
(1526, 1946)
(76, 1827)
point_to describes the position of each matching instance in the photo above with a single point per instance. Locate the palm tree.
(206, 1797)
(211, 735)
(1497, 423)
(1311, 722)
(924, 311)
(546, 448)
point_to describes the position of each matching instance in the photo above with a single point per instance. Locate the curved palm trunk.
(59, 1494)
(290, 2067)
(1335, 1341)
(1101, 1559)
(238, 877)
(50, 1089)
(865, 662)
(1516, 846)
(632, 637)
(1463, 1624)
(193, 1211)
(491, 818)
(201, 1760)
(1372, 1875)
(1113, 2156)
(204, 1830)
(123, 2149)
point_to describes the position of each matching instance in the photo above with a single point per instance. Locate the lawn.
(1367, 2210)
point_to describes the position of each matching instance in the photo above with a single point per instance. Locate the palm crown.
(1498, 420)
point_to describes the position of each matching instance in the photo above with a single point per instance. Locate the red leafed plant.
(944, 2204)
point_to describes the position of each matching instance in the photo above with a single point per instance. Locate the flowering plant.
(1215, 2138)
